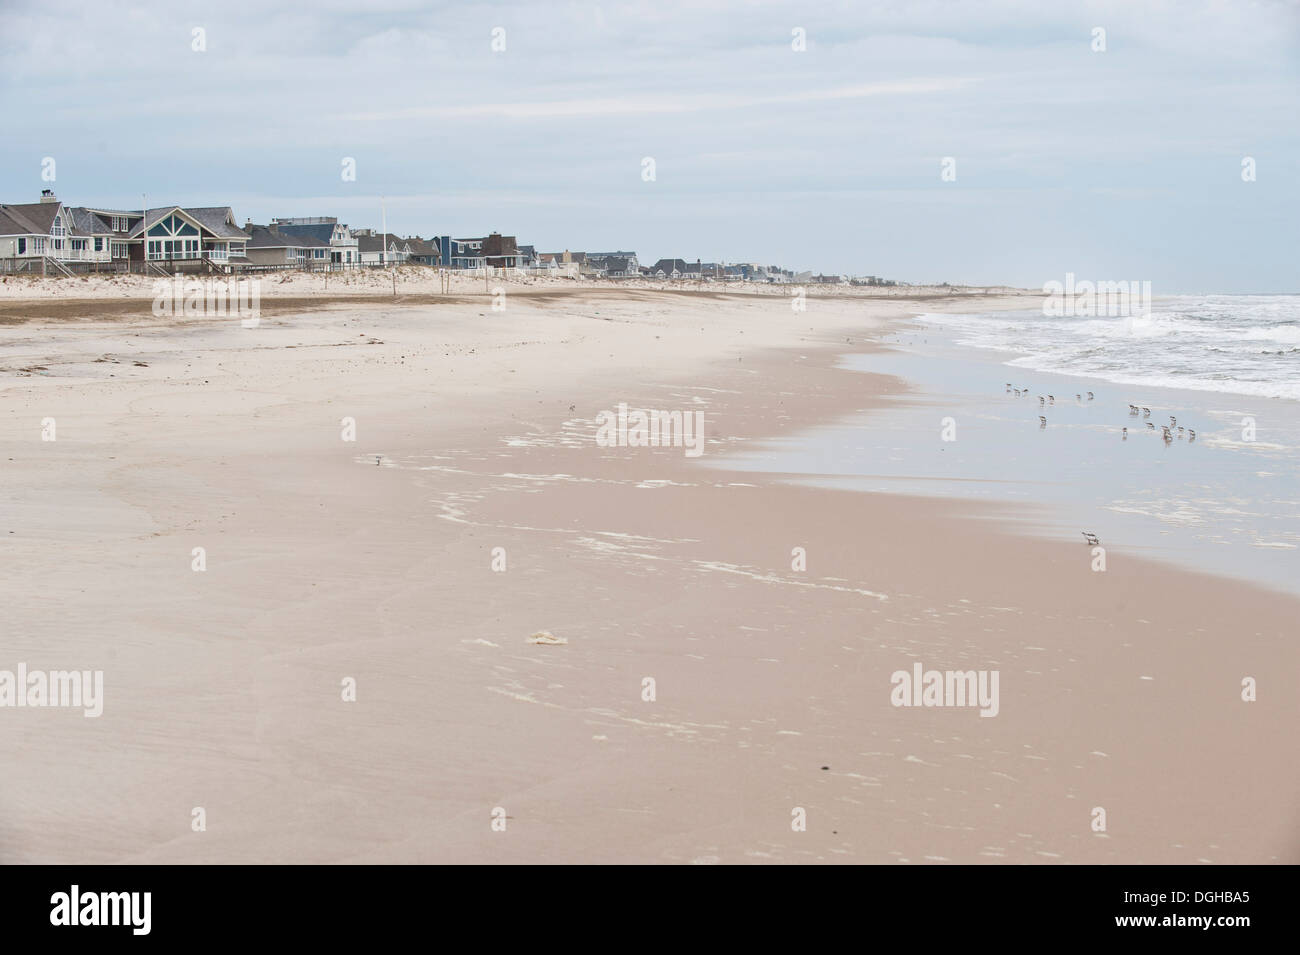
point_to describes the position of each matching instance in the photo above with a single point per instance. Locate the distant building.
(669, 269)
(30, 232)
(422, 252)
(613, 266)
(459, 253)
(381, 249)
(501, 251)
(268, 245)
(630, 264)
(344, 249)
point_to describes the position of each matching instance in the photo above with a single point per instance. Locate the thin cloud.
(661, 104)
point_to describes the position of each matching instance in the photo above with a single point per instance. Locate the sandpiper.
(1090, 396)
(1042, 422)
(1146, 412)
(1125, 430)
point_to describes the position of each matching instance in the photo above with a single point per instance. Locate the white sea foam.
(1238, 344)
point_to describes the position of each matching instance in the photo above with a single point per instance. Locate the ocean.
(1239, 344)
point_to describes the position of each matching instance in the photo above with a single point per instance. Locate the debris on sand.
(547, 638)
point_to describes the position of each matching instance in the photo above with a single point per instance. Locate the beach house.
(269, 246)
(344, 250)
(501, 251)
(459, 253)
(671, 269)
(46, 234)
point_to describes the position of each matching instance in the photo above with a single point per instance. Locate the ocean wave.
(1204, 343)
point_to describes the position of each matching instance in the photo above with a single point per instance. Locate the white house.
(33, 231)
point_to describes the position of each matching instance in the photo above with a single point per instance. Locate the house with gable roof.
(345, 251)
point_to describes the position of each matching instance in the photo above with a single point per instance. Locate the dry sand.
(223, 688)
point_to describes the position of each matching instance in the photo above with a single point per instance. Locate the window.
(38, 246)
(22, 246)
(99, 244)
(320, 253)
(118, 249)
(58, 245)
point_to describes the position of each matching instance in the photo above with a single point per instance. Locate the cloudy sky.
(1122, 164)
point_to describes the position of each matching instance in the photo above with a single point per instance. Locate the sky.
(536, 120)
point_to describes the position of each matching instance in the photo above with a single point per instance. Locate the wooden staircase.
(53, 266)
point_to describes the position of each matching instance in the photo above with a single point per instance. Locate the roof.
(667, 266)
(219, 220)
(610, 263)
(420, 246)
(375, 243)
(32, 218)
(497, 244)
(85, 222)
(317, 230)
(266, 238)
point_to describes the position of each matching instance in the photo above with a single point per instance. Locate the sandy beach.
(475, 507)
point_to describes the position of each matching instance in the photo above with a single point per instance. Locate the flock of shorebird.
(1167, 431)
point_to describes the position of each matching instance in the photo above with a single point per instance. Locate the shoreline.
(1148, 501)
(648, 564)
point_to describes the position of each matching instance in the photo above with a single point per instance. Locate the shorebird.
(1125, 430)
(1008, 387)
(1052, 398)
(1151, 426)
(1133, 409)
(1166, 435)
(1180, 431)
(1078, 397)
(1090, 538)
(1191, 434)
(1017, 392)
(1090, 396)
(1041, 399)
(1172, 421)
(377, 460)
(1042, 422)
(1146, 412)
